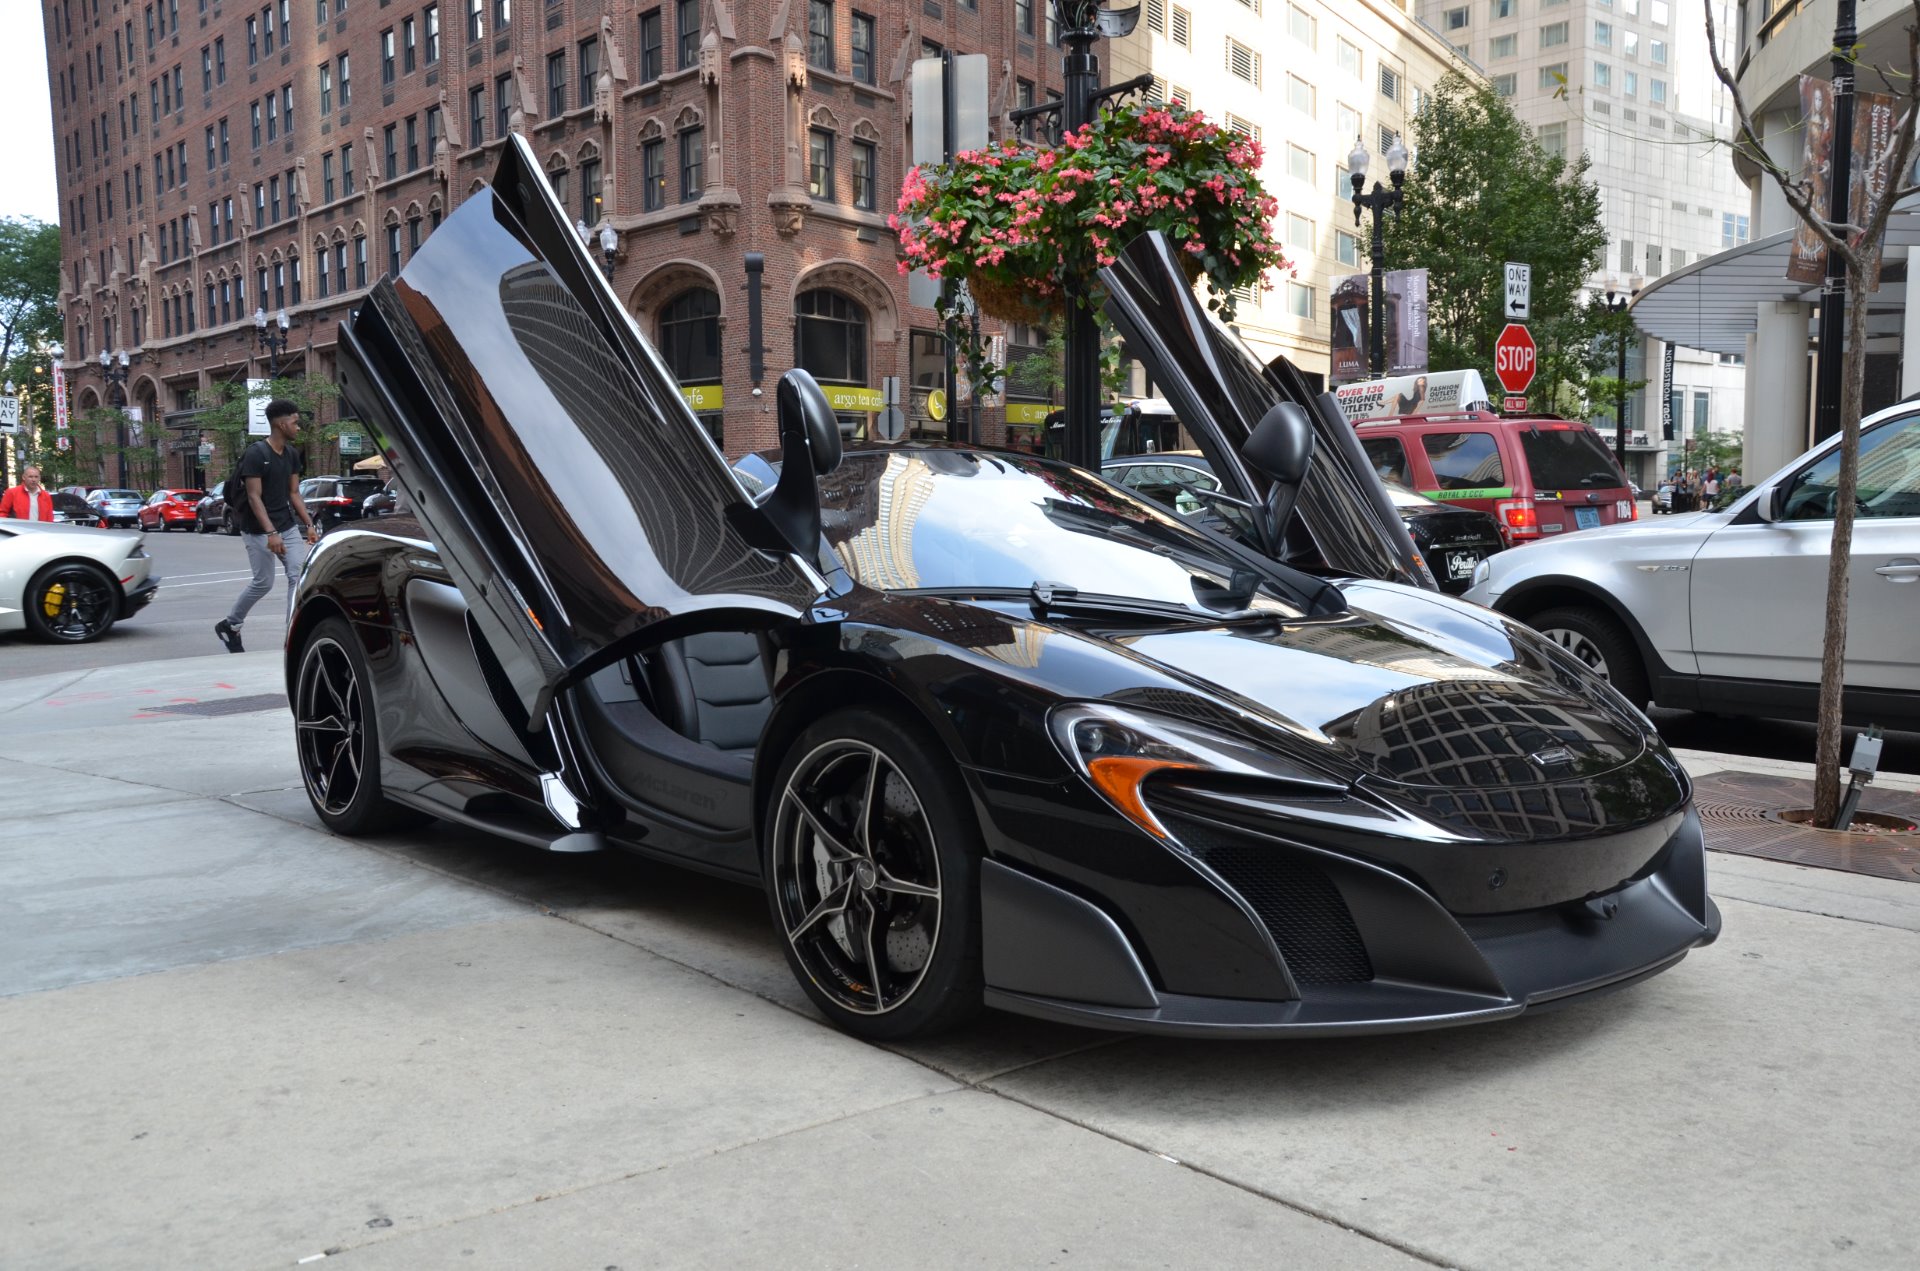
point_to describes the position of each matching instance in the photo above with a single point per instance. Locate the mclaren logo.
(1550, 758)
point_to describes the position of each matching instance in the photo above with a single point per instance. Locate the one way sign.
(1519, 292)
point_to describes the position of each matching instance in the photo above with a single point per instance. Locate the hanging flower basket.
(1018, 220)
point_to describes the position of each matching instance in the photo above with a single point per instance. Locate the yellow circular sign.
(937, 403)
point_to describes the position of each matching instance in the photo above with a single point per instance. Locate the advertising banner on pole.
(1666, 396)
(257, 425)
(1405, 297)
(1876, 118)
(61, 441)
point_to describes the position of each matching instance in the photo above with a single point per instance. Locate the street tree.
(1483, 192)
(1856, 245)
(224, 408)
(29, 285)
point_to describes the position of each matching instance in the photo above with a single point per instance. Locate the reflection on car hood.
(1413, 690)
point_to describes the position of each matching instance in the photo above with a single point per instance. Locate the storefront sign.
(842, 397)
(703, 398)
(1032, 413)
(937, 404)
(1435, 393)
(349, 443)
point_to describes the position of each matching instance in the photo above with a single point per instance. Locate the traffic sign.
(891, 422)
(1514, 405)
(1519, 291)
(9, 414)
(1514, 356)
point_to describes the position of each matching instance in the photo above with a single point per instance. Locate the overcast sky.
(27, 186)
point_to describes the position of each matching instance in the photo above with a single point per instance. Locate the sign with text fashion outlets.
(844, 397)
(704, 397)
(1435, 393)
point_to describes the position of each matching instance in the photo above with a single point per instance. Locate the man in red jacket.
(27, 501)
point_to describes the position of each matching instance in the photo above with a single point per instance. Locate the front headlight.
(1117, 749)
(139, 552)
(1482, 570)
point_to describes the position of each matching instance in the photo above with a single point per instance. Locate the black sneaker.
(229, 636)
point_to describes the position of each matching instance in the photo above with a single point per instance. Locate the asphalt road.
(200, 574)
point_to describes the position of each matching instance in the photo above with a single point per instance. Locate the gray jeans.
(261, 561)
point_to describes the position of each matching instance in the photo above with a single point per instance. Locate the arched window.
(690, 336)
(833, 337)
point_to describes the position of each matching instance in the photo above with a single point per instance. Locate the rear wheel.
(871, 861)
(71, 603)
(1599, 640)
(337, 737)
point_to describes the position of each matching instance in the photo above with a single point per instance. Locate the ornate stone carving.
(789, 212)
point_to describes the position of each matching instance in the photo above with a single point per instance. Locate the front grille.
(1292, 896)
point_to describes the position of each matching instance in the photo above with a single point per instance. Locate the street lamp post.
(272, 337)
(1378, 200)
(114, 368)
(1617, 302)
(609, 239)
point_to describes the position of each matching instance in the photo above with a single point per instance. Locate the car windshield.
(1569, 459)
(920, 520)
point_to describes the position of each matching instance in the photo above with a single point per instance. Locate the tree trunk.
(1833, 652)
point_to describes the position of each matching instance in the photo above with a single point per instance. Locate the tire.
(227, 526)
(838, 877)
(1598, 639)
(337, 737)
(83, 598)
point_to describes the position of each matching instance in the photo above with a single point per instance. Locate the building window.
(1630, 83)
(1299, 231)
(220, 60)
(556, 84)
(649, 46)
(1505, 85)
(346, 169)
(433, 131)
(590, 191)
(386, 56)
(359, 260)
(253, 117)
(1389, 83)
(1243, 62)
(1733, 230)
(1457, 19)
(653, 175)
(833, 337)
(1553, 76)
(820, 34)
(393, 249)
(476, 20)
(589, 70)
(1299, 300)
(1346, 248)
(1553, 35)
(1303, 26)
(1348, 56)
(863, 69)
(346, 82)
(865, 165)
(1553, 139)
(477, 115)
(326, 177)
(433, 34)
(326, 88)
(1179, 29)
(1023, 17)
(686, 25)
(690, 337)
(820, 163)
(502, 103)
(693, 152)
(1657, 52)
(1657, 91)
(409, 43)
(393, 151)
(927, 359)
(1503, 46)
(413, 234)
(1602, 75)
(1300, 95)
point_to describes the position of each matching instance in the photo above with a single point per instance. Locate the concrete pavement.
(233, 1040)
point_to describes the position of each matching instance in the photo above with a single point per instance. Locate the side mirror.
(1771, 504)
(806, 421)
(1280, 449)
(789, 518)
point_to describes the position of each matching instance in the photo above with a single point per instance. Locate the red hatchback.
(168, 508)
(1537, 476)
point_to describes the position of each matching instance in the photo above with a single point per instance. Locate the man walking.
(27, 501)
(270, 471)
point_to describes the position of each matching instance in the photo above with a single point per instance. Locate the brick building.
(222, 156)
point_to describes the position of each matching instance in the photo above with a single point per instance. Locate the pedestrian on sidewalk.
(270, 471)
(28, 501)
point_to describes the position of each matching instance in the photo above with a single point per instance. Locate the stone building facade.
(218, 157)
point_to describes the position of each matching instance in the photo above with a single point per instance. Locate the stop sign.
(1513, 358)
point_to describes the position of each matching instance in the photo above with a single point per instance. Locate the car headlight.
(139, 552)
(1117, 749)
(1482, 570)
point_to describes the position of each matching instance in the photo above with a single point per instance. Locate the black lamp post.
(272, 337)
(1617, 302)
(1378, 200)
(115, 367)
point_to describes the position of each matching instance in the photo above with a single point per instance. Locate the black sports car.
(986, 728)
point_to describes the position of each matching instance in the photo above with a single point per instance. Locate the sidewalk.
(233, 1040)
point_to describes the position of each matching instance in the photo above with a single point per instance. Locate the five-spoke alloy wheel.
(71, 603)
(336, 737)
(1599, 642)
(872, 869)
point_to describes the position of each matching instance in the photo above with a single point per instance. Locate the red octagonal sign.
(1513, 358)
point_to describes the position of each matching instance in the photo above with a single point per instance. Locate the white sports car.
(70, 583)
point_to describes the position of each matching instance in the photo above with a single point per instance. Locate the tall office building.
(222, 157)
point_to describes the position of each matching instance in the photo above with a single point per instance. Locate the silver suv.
(1724, 611)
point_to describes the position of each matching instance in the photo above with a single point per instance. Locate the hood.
(87, 532)
(1413, 689)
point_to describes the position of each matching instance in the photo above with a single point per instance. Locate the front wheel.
(337, 737)
(871, 862)
(71, 603)
(1602, 643)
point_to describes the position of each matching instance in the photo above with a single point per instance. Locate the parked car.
(210, 514)
(1726, 610)
(1451, 540)
(1537, 476)
(385, 502)
(68, 584)
(1033, 742)
(168, 508)
(118, 507)
(73, 509)
(331, 500)
(1662, 498)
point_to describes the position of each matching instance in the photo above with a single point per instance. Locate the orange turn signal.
(1119, 777)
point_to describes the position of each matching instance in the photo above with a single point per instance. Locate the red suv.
(1537, 476)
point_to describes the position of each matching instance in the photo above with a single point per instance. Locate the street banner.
(61, 441)
(1434, 393)
(257, 425)
(1405, 297)
(1666, 396)
(1876, 122)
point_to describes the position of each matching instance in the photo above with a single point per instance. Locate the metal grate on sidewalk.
(1736, 815)
(225, 705)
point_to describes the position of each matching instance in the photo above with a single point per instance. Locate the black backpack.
(234, 491)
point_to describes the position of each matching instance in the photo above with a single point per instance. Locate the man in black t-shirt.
(270, 471)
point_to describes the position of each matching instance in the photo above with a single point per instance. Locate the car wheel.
(227, 526)
(71, 603)
(1602, 643)
(338, 738)
(871, 861)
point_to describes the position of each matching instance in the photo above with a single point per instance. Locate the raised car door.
(576, 501)
(1221, 391)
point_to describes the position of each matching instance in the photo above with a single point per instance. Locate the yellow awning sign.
(842, 397)
(1028, 412)
(937, 404)
(704, 397)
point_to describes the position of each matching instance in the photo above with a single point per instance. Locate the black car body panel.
(1445, 820)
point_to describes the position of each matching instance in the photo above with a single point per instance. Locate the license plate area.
(1586, 518)
(1460, 565)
